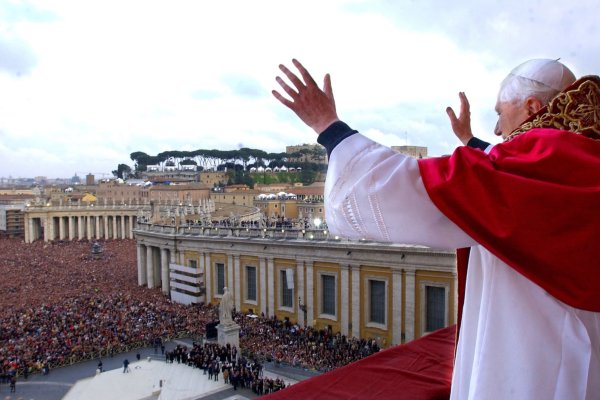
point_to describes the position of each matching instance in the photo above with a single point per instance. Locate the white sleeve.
(375, 193)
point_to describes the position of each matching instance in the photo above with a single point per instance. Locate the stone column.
(271, 287)
(208, 278)
(301, 292)
(141, 265)
(88, 225)
(53, 232)
(149, 267)
(164, 265)
(97, 226)
(37, 229)
(61, 228)
(28, 229)
(202, 270)
(48, 228)
(72, 228)
(310, 290)
(229, 281)
(132, 222)
(157, 268)
(396, 322)
(237, 282)
(115, 235)
(409, 310)
(355, 300)
(123, 236)
(344, 318)
(262, 270)
(80, 228)
(106, 231)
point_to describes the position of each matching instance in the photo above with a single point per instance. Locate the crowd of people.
(61, 304)
(224, 361)
(306, 347)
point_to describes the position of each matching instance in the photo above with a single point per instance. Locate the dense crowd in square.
(61, 304)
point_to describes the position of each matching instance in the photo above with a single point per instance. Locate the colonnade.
(154, 272)
(79, 225)
(153, 266)
(380, 291)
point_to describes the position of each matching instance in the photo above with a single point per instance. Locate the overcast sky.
(83, 84)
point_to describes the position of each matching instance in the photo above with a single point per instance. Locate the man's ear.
(533, 105)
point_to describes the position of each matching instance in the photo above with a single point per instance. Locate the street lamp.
(302, 307)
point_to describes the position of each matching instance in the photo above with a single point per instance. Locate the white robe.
(516, 341)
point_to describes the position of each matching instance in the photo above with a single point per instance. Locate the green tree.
(122, 171)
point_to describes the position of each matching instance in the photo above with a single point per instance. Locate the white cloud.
(106, 78)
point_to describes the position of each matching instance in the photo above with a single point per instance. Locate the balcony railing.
(276, 233)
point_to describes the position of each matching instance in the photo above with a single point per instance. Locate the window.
(220, 274)
(328, 294)
(193, 264)
(436, 308)
(286, 280)
(250, 283)
(377, 299)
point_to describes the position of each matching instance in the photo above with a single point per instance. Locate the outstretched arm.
(315, 107)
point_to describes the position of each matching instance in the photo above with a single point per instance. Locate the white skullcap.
(550, 73)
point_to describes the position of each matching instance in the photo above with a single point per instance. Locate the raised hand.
(315, 107)
(461, 125)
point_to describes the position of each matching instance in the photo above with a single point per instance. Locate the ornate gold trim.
(576, 109)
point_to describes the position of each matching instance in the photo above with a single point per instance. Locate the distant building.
(187, 193)
(273, 187)
(412, 151)
(236, 188)
(11, 221)
(11, 213)
(291, 201)
(155, 174)
(17, 191)
(90, 180)
(113, 191)
(242, 197)
(212, 178)
(314, 193)
(278, 207)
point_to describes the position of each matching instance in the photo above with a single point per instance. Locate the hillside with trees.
(237, 163)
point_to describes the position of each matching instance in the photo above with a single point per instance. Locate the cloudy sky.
(83, 84)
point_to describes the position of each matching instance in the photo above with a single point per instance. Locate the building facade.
(238, 197)
(116, 192)
(391, 293)
(186, 193)
(11, 221)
